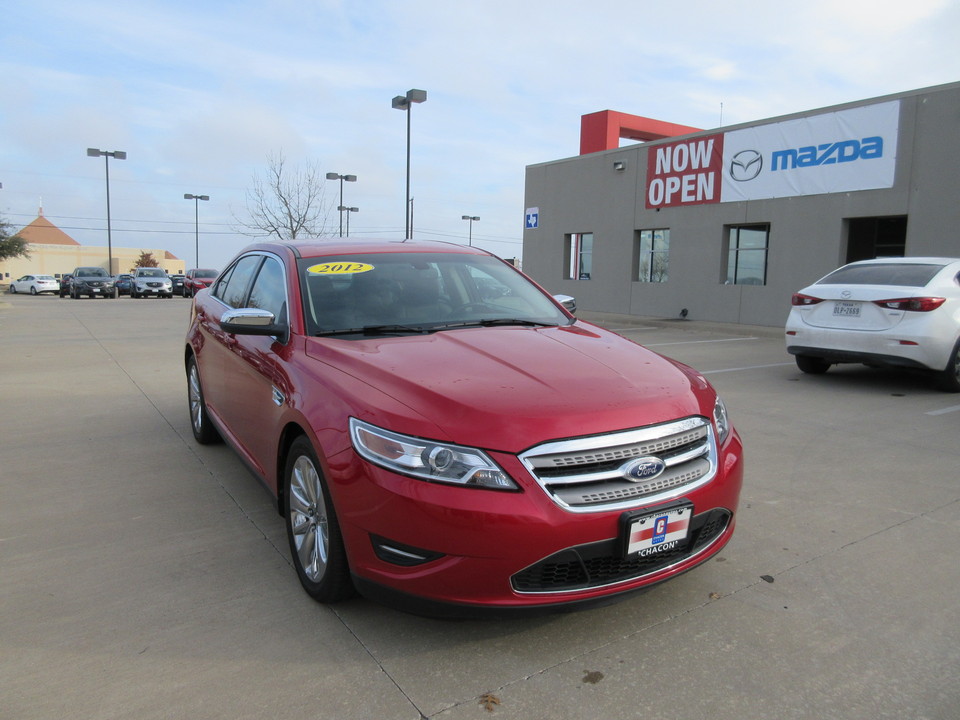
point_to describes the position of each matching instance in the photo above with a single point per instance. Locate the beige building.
(53, 252)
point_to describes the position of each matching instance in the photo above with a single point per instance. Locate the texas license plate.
(846, 309)
(658, 532)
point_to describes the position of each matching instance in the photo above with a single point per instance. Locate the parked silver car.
(149, 281)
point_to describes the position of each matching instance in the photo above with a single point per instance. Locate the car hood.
(509, 388)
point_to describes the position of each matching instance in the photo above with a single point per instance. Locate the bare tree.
(285, 202)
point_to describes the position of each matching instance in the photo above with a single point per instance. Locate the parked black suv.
(92, 282)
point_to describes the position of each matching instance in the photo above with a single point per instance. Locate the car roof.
(323, 247)
(908, 261)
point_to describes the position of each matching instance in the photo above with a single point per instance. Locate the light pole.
(405, 102)
(196, 218)
(341, 178)
(347, 210)
(472, 219)
(116, 155)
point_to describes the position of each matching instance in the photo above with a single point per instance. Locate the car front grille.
(603, 563)
(591, 474)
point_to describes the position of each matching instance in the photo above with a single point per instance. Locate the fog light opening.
(401, 554)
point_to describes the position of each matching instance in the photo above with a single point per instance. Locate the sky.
(201, 94)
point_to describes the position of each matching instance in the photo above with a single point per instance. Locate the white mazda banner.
(841, 151)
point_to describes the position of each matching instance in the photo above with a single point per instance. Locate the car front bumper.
(477, 551)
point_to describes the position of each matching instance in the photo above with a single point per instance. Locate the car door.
(255, 383)
(218, 366)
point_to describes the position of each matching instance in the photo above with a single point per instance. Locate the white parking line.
(698, 342)
(944, 411)
(747, 367)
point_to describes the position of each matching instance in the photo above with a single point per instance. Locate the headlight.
(721, 421)
(427, 460)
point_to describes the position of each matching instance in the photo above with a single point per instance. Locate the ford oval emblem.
(644, 468)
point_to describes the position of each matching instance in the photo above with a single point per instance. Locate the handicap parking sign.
(533, 218)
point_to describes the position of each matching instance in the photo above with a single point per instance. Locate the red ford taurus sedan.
(445, 437)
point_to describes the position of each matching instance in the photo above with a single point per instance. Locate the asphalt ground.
(144, 576)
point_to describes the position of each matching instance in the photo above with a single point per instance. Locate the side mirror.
(569, 302)
(253, 321)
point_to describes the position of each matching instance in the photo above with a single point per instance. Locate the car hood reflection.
(497, 386)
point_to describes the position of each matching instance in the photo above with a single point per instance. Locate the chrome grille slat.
(589, 474)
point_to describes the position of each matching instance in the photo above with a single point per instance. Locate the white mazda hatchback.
(888, 312)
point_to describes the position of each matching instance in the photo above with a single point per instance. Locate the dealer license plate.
(846, 309)
(658, 532)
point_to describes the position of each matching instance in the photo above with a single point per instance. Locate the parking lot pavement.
(143, 576)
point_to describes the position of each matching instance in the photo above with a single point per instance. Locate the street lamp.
(341, 178)
(347, 210)
(405, 102)
(472, 219)
(116, 155)
(196, 218)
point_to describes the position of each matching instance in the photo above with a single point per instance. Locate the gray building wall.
(808, 234)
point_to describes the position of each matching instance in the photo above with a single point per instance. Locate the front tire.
(13, 289)
(203, 430)
(812, 365)
(313, 531)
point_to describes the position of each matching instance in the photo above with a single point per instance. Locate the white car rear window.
(902, 274)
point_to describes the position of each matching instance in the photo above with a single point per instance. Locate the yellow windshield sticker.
(339, 268)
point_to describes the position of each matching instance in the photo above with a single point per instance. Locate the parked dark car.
(124, 283)
(65, 285)
(198, 279)
(177, 281)
(92, 282)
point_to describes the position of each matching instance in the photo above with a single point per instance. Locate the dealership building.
(724, 225)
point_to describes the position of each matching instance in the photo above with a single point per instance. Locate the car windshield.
(92, 272)
(152, 272)
(396, 293)
(901, 274)
(205, 274)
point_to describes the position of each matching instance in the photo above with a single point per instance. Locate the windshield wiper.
(377, 330)
(491, 322)
(513, 321)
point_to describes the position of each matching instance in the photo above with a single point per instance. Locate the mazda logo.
(644, 468)
(746, 165)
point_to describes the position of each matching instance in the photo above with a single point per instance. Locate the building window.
(747, 254)
(579, 254)
(653, 258)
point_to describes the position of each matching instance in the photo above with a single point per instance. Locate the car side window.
(269, 290)
(233, 291)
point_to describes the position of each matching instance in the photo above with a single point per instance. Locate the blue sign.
(660, 529)
(533, 218)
